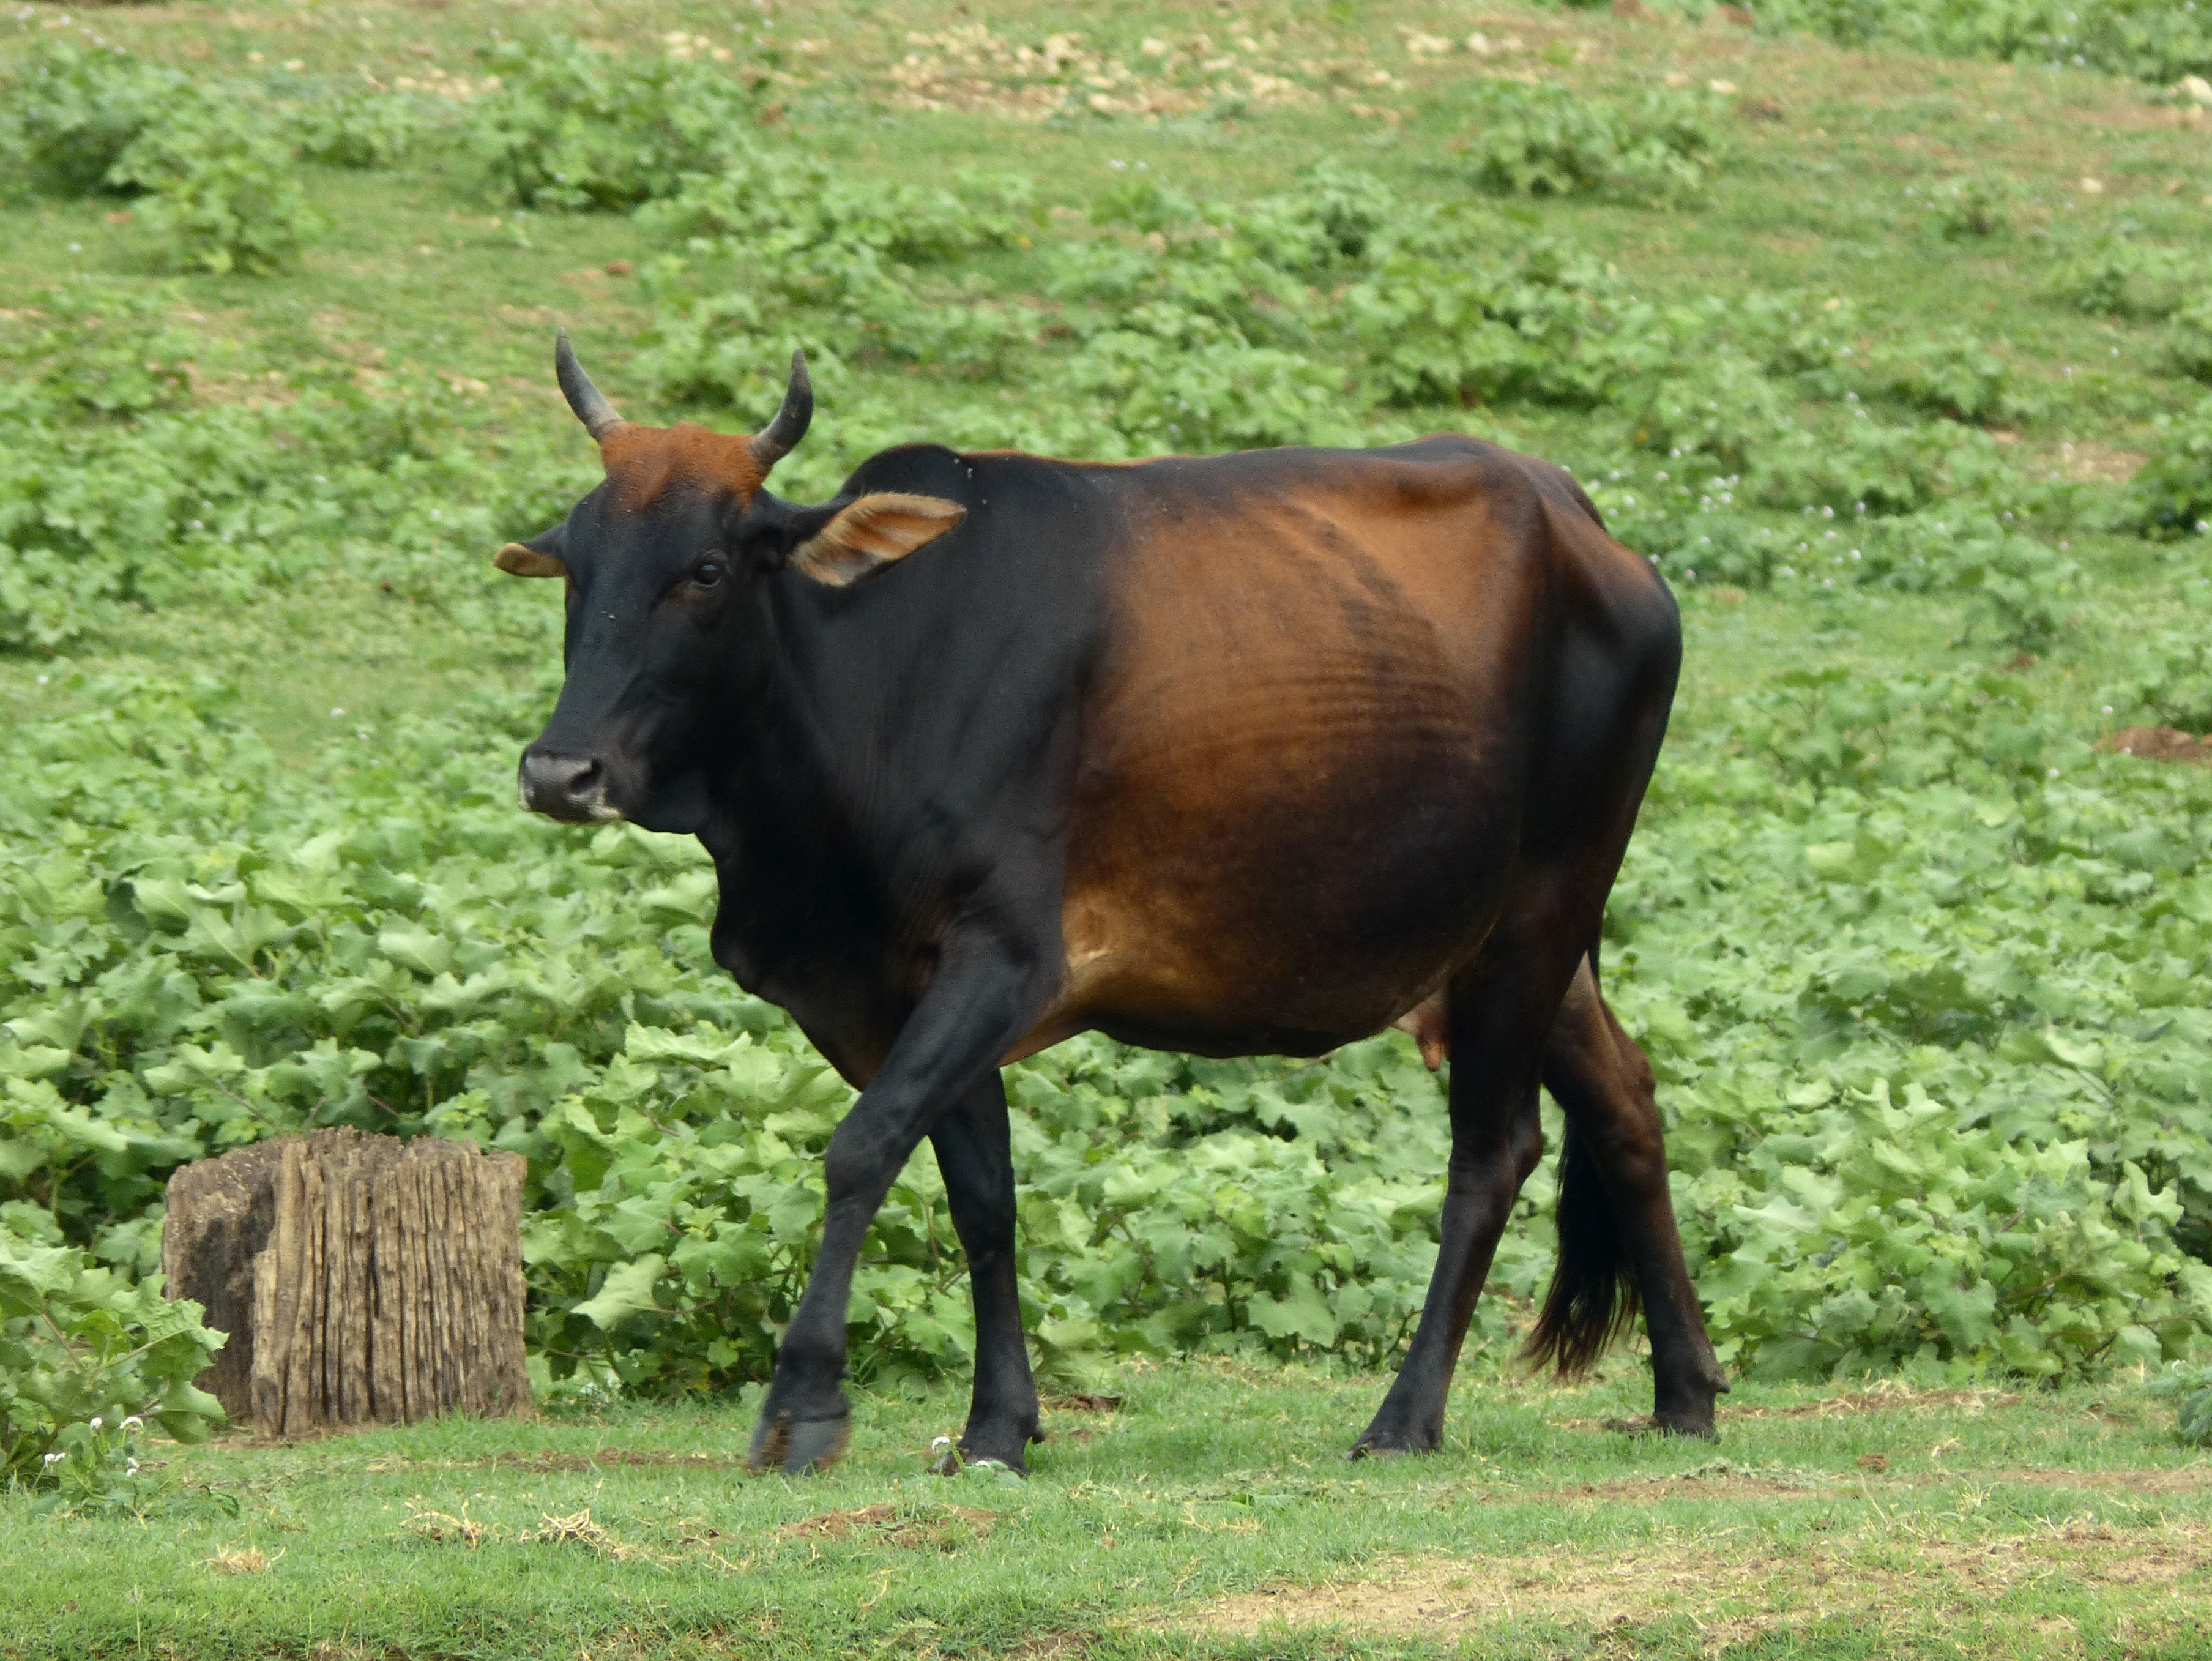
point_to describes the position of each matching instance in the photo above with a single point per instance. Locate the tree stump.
(363, 1280)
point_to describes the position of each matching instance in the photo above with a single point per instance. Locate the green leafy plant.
(1953, 375)
(222, 190)
(1550, 140)
(76, 111)
(2171, 495)
(2189, 342)
(2153, 40)
(1972, 208)
(571, 127)
(2118, 274)
(2193, 1417)
(2167, 681)
(87, 1361)
(2024, 592)
(91, 347)
(385, 942)
(361, 129)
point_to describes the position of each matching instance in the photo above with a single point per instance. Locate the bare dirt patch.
(1745, 1590)
(1082, 1401)
(2089, 463)
(1888, 1396)
(837, 1524)
(2186, 1479)
(1691, 1485)
(2158, 744)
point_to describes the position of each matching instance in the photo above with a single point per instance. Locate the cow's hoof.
(1382, 1442)
(797, 1447)
(1001, 1445)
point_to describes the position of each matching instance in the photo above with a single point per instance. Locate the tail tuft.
(1593, 1299)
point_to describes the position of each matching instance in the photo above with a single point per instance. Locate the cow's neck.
(804, 907)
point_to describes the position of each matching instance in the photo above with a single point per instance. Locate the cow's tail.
(1593, 1300)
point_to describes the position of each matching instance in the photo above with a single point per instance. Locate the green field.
(1209, 1514)
(1897, 363)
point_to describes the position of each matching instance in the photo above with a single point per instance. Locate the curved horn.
(775, 441)
(590, 403)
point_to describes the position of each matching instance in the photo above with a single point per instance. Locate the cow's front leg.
(980, 1002)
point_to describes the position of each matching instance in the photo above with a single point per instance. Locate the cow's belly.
(1286, 862)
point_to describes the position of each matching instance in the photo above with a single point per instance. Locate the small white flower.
(133, 1422)
(95, 1422)
(55, 1457)
(2053, 772)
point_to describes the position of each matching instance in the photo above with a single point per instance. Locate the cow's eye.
(709, 573)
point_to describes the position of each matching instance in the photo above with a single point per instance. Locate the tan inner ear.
(873, 533)
(518, 561)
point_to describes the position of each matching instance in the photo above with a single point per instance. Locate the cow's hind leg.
(1618, 1244)
(975, 1155)
(1499, 1013)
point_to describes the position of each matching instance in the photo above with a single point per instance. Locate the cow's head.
(667, 565)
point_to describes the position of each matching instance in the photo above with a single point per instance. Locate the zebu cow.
(1237, 755)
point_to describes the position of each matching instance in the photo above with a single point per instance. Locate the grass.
(1209, 1513)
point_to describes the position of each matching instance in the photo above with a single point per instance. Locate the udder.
(1428, 1023)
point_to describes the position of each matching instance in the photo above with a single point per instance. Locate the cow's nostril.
(562, 787)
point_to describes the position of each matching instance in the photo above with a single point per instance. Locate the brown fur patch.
(644, 463)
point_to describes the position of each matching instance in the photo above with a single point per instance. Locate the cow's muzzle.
(572, 789)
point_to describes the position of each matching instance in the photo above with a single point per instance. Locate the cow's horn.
(589, 403)
(776, 440)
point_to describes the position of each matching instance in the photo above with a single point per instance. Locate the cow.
(1249, 754)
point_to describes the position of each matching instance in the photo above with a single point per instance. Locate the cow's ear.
(869, 533)
(540, 556)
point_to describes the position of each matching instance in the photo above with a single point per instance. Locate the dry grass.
(242, 1559)
(440, 1528)
(1722, 1586)
(932, 1527)
(579, 1530)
